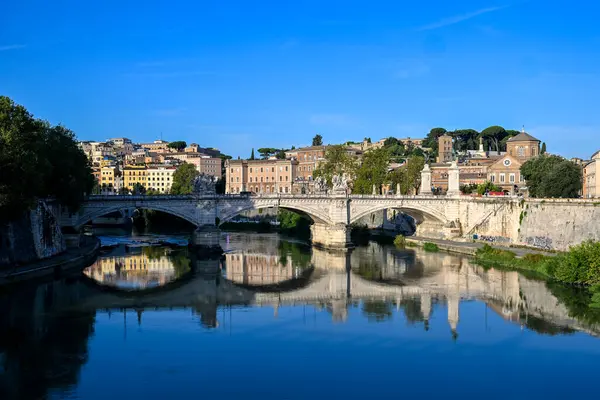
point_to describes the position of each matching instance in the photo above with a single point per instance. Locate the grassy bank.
(573, 277)
(579, 266)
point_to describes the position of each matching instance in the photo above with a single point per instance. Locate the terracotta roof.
(523, 137)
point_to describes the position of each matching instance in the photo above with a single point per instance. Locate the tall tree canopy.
(337, 162)
(431, 140)
(183, 179)
(178, 145)
(408, 176)
(552, 176)
(372, 171)
(317, 140)
(38, 160)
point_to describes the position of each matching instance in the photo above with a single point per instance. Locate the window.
(521, 151)
(511, 178)
(286, 169)
(286, 178)
(521, 178)
(280, 178)
(261, 170)
(250, 169)
(502, 178)
(493, 178)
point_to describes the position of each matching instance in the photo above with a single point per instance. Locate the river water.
(276, 319)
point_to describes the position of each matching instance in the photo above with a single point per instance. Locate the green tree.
(465, 139)
(183, 179)
(552, 176)
(178, 145)
(395, 148)
(431, 140)
(367, 139)
(372, 171)
(337, 162)
(266, 152)
(280, 155)
(494, 135)
(317, 140)
(487, 186)
(543, 151)
(138, 189)
(252, 154)
(408, 176)
(37, 161)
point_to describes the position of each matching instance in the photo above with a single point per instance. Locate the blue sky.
(242, 74)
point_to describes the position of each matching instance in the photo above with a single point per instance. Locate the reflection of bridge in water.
(337, 279)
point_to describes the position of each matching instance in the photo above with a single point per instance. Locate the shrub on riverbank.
(579, 266)
(430, 247)
(400, 241)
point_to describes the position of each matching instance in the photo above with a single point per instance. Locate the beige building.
(107, 177)
(259, 269)
(159, 178)
(445, 149)
(203, 163)
(260, 176)
(308, 159)
(506, 171)
(591, 170)
(210, 166)
(133, 174)
(156, 146)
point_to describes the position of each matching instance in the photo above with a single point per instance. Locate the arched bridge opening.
(90, 215)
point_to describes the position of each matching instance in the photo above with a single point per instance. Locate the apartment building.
(158, 146)
(107, 177)
(591, 171)
(133, 174)
(159, 178)
(260, 176)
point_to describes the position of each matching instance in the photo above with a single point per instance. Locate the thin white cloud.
(12, 47)
(458, 18)
(331, 119)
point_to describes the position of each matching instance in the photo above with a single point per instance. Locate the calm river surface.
(276, 319)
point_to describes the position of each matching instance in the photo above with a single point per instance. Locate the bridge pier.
(331, 236)
(206, 241)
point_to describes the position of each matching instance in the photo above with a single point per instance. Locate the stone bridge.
(548, 224)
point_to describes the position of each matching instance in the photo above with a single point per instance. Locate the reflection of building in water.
(260, 269)
(138, 267)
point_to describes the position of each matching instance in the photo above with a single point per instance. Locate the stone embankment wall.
(553, 224)
(36, 235)
(558, 224)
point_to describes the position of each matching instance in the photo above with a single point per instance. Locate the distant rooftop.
(523, 137)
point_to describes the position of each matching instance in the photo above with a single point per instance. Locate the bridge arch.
(420, 213)
(99, 212)
(317, 216)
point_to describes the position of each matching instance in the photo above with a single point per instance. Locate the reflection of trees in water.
(42, 351)
(298, 253)
(577, 301)
(544, 327)
(412, 310)
(182, 264)
(377, 310)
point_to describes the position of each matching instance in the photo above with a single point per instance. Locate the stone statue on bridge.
(320, 185)
(340, 184)
(205, 185)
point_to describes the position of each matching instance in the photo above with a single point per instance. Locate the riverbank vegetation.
(38, 161)
(579, 266)
(431, 247)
